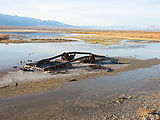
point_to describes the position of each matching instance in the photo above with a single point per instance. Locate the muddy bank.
(37, 40)
(131, 95)
(24, 83)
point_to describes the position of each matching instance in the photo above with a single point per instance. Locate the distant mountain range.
(9, 20)
(18, 21)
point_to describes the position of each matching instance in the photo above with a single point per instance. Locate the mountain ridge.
(10, 20)
(18, 21)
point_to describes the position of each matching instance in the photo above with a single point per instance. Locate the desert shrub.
(4, 37)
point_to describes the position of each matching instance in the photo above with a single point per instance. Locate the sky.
(88, 12)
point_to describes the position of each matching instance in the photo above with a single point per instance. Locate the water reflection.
(12, 54)
(33, 35)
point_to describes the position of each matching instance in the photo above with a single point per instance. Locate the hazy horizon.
(88, 12)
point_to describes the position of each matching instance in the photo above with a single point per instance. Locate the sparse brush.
(114, 37)
(4, 36)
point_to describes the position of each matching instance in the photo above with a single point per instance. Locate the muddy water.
(12, 54)
(110, 84)
(34, 104)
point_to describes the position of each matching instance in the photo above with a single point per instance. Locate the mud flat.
(17, 82)
(37, 40)
(127, 93)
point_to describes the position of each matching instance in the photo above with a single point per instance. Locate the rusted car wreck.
(68, 60)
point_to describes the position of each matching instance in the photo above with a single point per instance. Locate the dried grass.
(4, 36)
